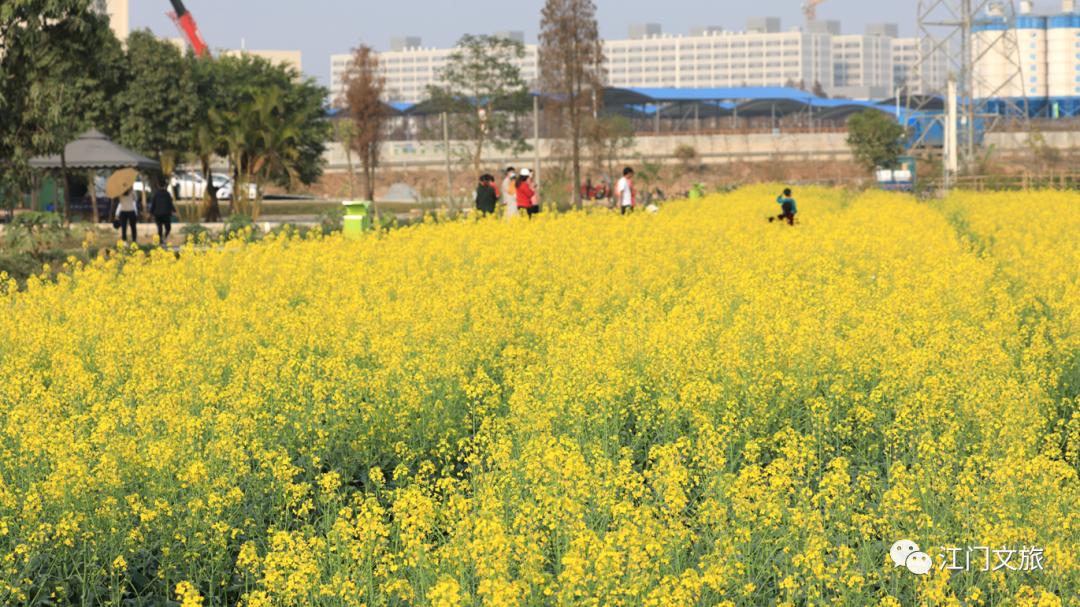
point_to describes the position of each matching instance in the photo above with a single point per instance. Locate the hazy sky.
(320, 28)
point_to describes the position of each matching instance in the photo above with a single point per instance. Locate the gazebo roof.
(93, 150)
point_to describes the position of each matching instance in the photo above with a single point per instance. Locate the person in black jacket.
(162, 208)
(487, 197)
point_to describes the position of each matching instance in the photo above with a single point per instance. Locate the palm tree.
(232, 137)
(206, 146)
(276, 149)
(262, 140)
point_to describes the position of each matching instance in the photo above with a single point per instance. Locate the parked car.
(192, 186)
(183, 185)
(225, 187)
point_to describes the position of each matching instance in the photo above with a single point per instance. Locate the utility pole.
(952, 155)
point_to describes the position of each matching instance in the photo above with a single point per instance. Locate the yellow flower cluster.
(688, 408)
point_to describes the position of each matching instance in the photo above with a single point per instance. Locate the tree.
(484, 93)
(60, 66)
(364, 87)
(263, 140)
(875, 139)
(571, 70)
(213, 88)
(232, 125)
(158, 106)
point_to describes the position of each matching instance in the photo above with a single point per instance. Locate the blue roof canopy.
(665, 95)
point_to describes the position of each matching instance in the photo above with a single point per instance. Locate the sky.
(320, 28)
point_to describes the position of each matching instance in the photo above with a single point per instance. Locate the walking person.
(487, 197)
(527, 198)
(162, 208)
(788, 206)
(624, 191)
(509, 192)
(127, 213)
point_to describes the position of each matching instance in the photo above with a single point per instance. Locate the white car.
(192, 186)
(225, 187)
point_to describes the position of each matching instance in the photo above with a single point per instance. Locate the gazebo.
(93, 151)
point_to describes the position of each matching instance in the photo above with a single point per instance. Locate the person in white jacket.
(127, 213)
(509, 196)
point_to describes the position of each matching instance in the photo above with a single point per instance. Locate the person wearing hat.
(526, 195)
(487, 197)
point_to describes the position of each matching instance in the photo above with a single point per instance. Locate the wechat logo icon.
(906, 553)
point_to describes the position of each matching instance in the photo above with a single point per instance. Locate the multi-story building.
(863, 64)
(714, 58)
(410, 68)
(817, 57)
(917, 68)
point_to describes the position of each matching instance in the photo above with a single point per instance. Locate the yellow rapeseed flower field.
(692, 408)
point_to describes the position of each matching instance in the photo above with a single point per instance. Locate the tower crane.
(186, 24)
(809, 8)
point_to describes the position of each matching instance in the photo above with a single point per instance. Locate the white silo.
(1063, 54)
(986, 46)
(1031, 50)
(1010, 61)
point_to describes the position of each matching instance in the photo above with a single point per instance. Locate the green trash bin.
(357, 218)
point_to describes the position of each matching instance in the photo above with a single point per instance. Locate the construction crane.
(186, 24)
(810, 9)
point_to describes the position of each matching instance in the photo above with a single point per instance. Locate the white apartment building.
(863, 66)
(410, 68)
(714, 59)
(855, 66)
(911, 74)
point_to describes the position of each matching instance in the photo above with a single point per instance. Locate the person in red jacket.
(526, 195)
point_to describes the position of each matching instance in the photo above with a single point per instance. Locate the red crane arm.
(186, 23)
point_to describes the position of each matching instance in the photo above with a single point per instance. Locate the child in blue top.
(790, 209)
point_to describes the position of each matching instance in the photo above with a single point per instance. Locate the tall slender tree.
(158, 106)
(571, 71)
(484, 93)
(364, 87)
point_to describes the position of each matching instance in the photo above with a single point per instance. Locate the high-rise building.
(410, 70)
(917, 68)
(721, 59)
(864, 66)
(119, 16)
